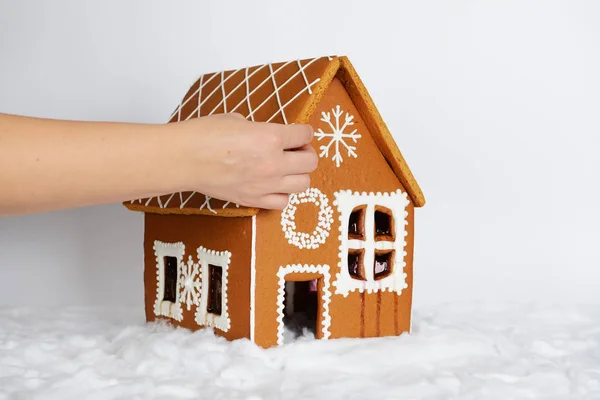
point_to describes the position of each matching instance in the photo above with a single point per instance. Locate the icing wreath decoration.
(319, 235)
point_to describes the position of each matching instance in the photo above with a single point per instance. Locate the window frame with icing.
(372, 227)
(205, 313)
(162, 307)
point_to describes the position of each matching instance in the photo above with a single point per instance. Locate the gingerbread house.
(337, 261)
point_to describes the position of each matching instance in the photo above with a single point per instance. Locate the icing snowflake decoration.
(306, 240)
(189, 282)
(337, 135)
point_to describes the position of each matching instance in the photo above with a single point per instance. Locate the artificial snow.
(455, 352)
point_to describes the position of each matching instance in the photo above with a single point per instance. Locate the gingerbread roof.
(285, 92)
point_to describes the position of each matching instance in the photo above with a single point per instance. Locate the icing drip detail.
(373, 244)
(323, 270)
(210, 259)
(338, 135)
(318, 237)
(162, 307)
(189, 282)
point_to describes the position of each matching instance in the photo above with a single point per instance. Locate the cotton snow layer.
(455, 352)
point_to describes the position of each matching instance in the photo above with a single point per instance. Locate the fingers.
(301, 161)
(295, 136)
(274, 201)
(294, 183)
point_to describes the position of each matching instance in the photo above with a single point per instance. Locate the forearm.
(53, 164)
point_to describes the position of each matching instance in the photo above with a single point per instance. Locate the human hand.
(253, 164)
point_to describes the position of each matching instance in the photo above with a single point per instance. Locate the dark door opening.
(300, 309)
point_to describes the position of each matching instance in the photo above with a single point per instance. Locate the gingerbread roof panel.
(274, 92)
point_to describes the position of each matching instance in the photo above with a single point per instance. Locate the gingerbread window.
(356, 223)
(372, 236)
(356, 267)
(384, 224)
(168, 268)
(170, 279)
(381, 223)
(382, 265)
(214, 309)
(215, 289)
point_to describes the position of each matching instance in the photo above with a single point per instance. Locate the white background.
(494, 105)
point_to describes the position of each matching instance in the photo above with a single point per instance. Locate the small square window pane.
(355, 265)
(384, 224)
(382, 265)
(356, 223)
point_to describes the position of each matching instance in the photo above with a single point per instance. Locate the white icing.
(247, 80)
(246, 100)
(191, 96)
(207, 204)
(277, 92)
(277, 89)
(168, 200)
(338, 135)
(323, 270)
(162, 307)
(183, 203)
(190, 284)
(228, 203)
(253, 280)
(202, 316)
(397, 201)
(198, 108)
(200, 85)
(304, 77)
(325, 219)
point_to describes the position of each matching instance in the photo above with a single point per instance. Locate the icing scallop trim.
(202, 316)
(164, 308)
(345, 201)
(326, 297)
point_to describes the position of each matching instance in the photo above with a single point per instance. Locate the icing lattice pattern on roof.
(266, 93)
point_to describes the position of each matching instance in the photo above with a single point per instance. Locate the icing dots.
(322, 270)
(164, 304)
(209, 261)
(304, 240)
(192, 284)
(377, 254)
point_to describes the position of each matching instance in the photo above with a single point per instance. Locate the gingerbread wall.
(214, 233)
(358, 314)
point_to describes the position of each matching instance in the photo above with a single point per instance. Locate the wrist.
(183, 150)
